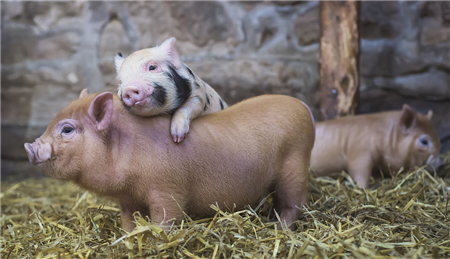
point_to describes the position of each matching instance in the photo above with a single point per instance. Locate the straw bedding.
(406, 215)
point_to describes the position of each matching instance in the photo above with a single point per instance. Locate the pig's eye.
(67, 130)
(424, 142)
(152, 67)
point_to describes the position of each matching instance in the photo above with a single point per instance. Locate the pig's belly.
(232, 190)
(329, 169)
(326, 162)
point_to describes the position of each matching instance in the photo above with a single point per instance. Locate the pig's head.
(151, 80)
(416, 142)
(72, 139)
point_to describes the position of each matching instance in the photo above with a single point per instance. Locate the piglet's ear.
(168, 46)
(83, 93)
(100, 110)
(118, 61)
(429, 114)
(408, 119)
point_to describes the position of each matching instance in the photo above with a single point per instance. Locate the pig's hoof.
(179, 130)
(178, 138)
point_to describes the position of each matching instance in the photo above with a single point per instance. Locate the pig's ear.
(408, 119)
(83, 93)
(118, 61)
(168, 46)
(429, 114)
(100, 110)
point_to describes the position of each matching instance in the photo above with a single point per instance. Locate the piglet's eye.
(424, 142)
(152, 67)
(67, 130)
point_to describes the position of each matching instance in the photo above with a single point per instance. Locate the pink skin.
(137, 91)
(40, 151)
(136, 94)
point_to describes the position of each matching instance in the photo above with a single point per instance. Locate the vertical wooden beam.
(339, 54)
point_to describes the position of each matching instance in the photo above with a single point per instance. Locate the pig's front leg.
(360, 169)
(127, 209)
(190, 110)
(165, 207)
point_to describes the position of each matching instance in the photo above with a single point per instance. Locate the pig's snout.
(133, 95)
(30, 152)
(434, 162)
(38, 152)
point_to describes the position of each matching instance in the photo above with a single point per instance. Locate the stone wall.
(52, 50)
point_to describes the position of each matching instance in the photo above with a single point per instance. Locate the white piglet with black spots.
(155, 81)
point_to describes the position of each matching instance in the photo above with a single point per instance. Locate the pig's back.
(339, 139)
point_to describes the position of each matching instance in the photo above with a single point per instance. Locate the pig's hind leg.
(291, 190)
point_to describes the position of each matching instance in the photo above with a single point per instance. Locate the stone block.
(202, 22)
(307, 27)
(58, 47)
(380, 19)
(433, 32)
(433, 85)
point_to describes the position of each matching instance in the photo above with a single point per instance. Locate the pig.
(155, 81)
(363, 144)
(232, 157)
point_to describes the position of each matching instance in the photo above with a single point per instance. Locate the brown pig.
(235, 156)
(363, 144)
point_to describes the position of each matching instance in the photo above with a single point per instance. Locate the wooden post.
(339, 54)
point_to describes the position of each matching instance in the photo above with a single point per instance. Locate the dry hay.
(405, 216)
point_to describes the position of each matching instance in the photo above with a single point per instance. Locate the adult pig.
(235, 156)
(362, 144)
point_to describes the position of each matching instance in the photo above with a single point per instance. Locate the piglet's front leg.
(181, 119)
(360, 169)
(127, 209)
(165, 208)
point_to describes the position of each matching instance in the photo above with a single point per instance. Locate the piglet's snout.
(134, 95)
(30, 152)
(38, 152)
(434, 162)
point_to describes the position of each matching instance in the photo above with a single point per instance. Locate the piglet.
(155, 81)
(363, 144)
(235, 156)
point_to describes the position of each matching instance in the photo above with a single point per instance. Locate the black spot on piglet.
(221, 105)
(159, 95)
(207, 98)
(190, 72)
(182, 84)
(120, 54)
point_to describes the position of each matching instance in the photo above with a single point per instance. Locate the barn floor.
(406, 216)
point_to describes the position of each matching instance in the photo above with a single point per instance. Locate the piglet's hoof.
(178, 138)
(179, 130)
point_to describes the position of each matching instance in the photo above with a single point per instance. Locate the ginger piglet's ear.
(100, 110)
(408, 120)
